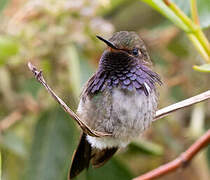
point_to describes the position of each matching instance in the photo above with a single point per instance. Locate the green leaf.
(203, 68)
(55, 139)
(14, 143)
(8, 48)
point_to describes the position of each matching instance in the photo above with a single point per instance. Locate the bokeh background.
(37, 138)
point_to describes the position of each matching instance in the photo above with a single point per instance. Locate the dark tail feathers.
(86, 154)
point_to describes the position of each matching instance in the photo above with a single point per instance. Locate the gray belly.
(123, 113)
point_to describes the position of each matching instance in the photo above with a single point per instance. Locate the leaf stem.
(181, 15)
(204, 41)
(195, 30)
(194, 12)
(199, 47)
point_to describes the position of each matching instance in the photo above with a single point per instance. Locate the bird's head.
(127, 44)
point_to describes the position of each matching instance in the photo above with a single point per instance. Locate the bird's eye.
(135, 51)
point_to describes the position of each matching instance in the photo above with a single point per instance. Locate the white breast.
(131, 113)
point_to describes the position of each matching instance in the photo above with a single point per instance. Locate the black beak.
(107, 42)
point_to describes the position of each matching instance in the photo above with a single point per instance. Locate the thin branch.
(181, 161)
(182, 104)
(85, 127)
(159, 114)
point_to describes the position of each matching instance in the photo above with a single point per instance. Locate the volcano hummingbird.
(120, 99)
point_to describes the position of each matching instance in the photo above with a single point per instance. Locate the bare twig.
(182, 104)
(85, 127)
(181, 161)
(159, 114)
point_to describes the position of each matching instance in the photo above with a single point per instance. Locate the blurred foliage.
(54, 134)
(37, 138)
(0, 164)
(8, 48)
(3, 3)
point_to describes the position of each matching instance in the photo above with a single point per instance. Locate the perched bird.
(120, 99)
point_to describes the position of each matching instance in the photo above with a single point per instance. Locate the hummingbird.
(120, 99)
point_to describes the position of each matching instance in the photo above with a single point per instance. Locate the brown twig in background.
(159, 114)
(10, 120)
(182, 104)
(181, 161)
(85, 127)
(27, 104)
